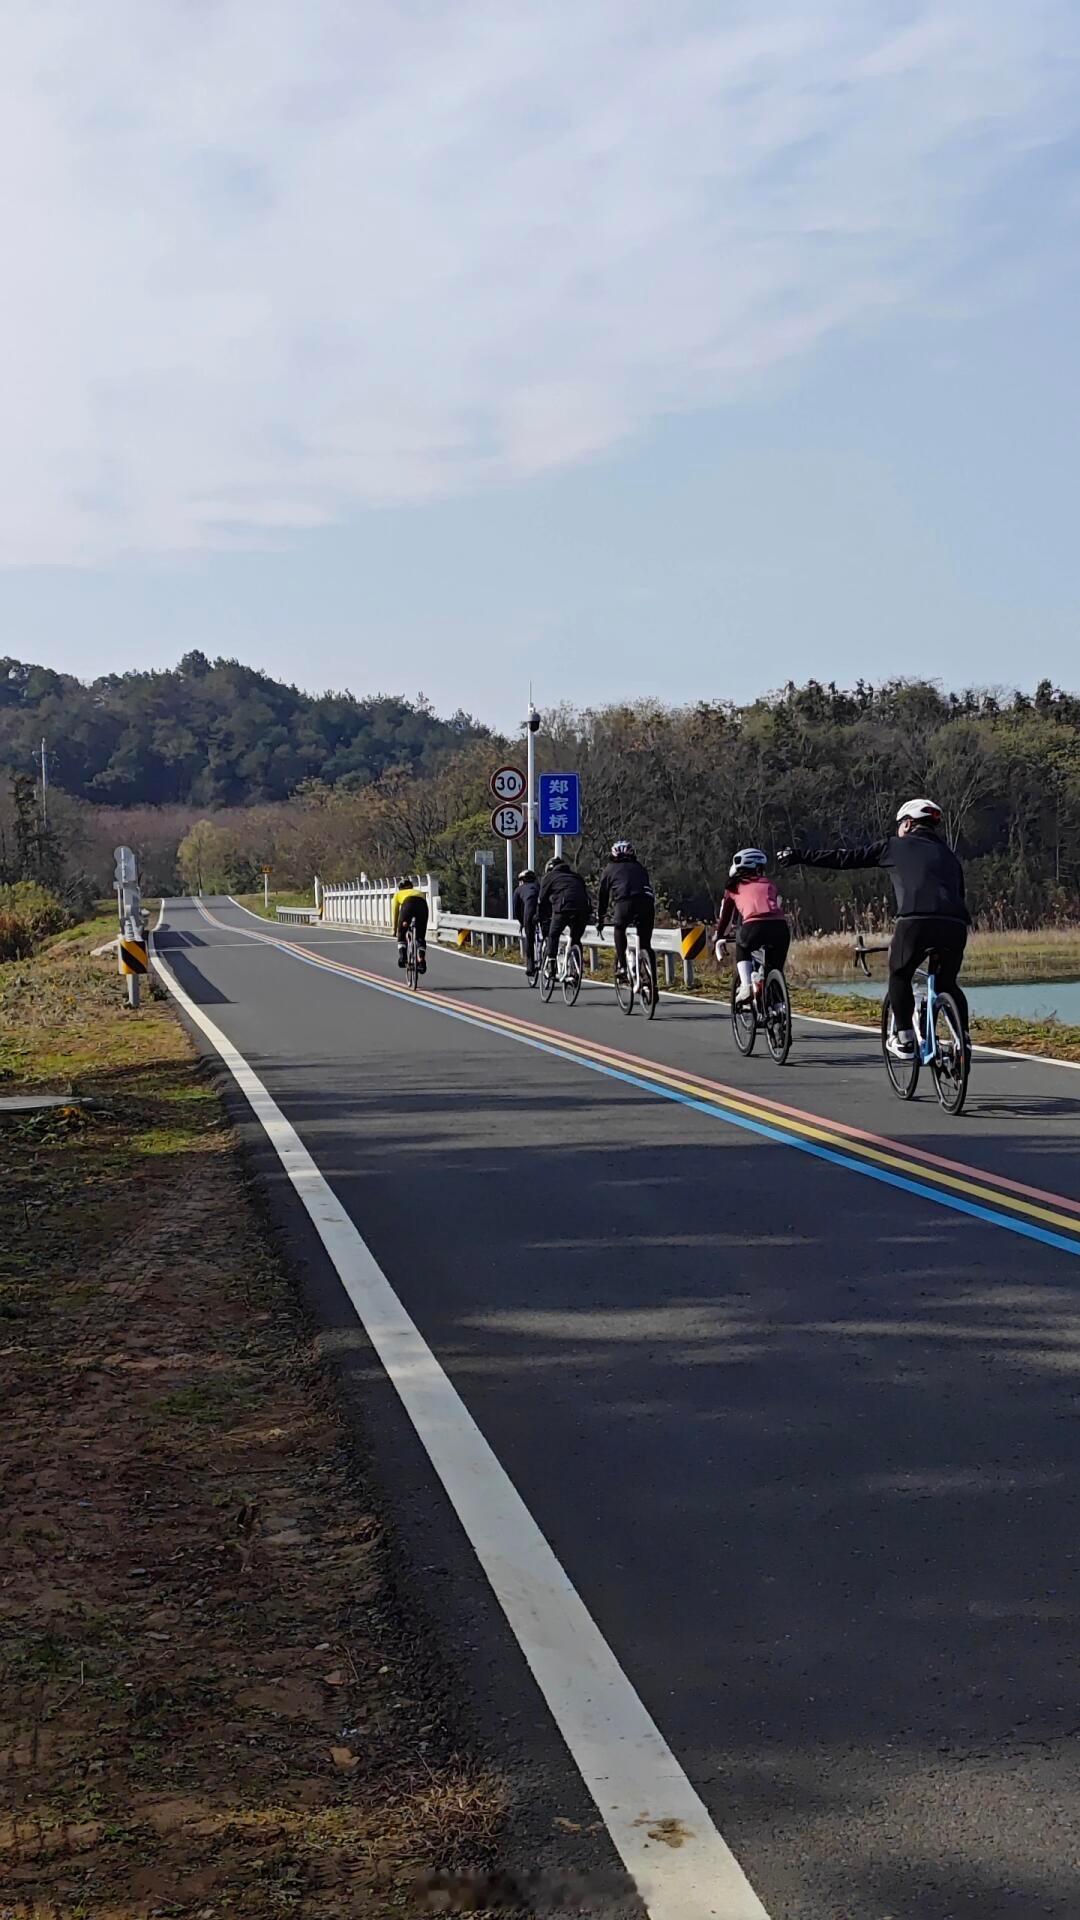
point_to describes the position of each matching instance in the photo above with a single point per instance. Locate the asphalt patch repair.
(212, 1699)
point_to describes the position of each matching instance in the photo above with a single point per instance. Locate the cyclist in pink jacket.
(752, 899)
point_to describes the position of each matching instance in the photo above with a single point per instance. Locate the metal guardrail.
(672, 945)
(302, 915)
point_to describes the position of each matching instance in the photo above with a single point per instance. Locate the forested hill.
(209, 734)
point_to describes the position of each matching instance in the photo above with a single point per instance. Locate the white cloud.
(266, 262)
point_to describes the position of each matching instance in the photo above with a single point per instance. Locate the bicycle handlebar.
(861, 950)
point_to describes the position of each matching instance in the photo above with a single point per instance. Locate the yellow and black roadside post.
(692, 943)
(131, 952)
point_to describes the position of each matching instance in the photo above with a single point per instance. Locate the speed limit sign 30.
(508, 822)
(508, 784)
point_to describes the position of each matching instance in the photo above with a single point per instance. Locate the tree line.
(809, 765)
(209, 734)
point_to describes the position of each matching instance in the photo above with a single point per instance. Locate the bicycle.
(534, 960)
(412, 956)
(640, 980)
(939, 1037)
(566, 971)
(767, 1011)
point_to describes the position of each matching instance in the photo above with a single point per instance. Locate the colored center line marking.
(834, 1141)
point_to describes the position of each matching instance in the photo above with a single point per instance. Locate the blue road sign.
(560, 803)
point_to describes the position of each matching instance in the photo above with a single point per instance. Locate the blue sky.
(450, 347)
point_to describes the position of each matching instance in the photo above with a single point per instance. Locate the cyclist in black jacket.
(526, 901)
(564, 902)
(931, 908)
(626, 887)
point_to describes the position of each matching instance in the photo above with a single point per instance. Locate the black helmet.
(527, 873)
(555, 861)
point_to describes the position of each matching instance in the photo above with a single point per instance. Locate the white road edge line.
(626, 1764)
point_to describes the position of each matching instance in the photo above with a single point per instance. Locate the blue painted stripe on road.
(954, 1202)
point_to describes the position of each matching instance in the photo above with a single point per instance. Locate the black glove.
(786, 857)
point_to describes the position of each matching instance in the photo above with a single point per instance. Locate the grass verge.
(254, 902)
(210, 1702)
(992, 958)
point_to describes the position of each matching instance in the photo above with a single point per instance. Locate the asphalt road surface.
(793, 1394)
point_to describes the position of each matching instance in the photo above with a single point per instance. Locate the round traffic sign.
(507, 783)
(508, 822)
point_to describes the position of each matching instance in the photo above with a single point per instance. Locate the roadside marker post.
(131, 955)
(691, 942)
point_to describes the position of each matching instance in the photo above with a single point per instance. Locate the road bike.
(534, 960)
(412, 956)
(767, 1011)
(639, 981)
(939, 1037)
(565, 972)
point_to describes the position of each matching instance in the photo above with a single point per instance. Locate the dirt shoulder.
(211, 1701)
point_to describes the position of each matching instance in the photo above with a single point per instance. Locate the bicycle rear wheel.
(533, 962)
(777, 1015)
(647, 983)
(903, 1074)
(624, 989)
(951, 1064)
(412, 961)
(549, 973)
(743, 1021)
(571, 985)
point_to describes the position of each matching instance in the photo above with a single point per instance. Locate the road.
(794, 1394)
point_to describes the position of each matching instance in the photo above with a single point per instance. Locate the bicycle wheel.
(548, 975)
(571, 985)
(533, 959)
(743, 1021)
(903, 1074)
(776, 1012)
(624, 989)
(647, 983)
(412, 961)
(951, 1064)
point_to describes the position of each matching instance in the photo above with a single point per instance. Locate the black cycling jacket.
(621, 880)
(926, 875)
(562, 891)
(526, 895)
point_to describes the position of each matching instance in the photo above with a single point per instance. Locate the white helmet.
(748, 860)
(623, 850)
(919, 810)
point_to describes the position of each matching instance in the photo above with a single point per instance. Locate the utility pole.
(44, 786)
(532, 726)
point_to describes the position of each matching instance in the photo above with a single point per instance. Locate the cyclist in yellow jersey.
(410, 904)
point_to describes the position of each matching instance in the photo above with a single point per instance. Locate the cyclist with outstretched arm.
(931, 908)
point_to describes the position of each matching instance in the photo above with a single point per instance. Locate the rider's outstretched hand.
(786, 856)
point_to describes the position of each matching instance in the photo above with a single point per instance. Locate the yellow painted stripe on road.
(981, 1186)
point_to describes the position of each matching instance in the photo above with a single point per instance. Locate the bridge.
(730, 1415)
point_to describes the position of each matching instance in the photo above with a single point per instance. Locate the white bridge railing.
(367, 903)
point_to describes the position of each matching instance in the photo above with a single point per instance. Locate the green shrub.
(28, 915)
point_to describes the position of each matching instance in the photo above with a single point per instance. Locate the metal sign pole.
(509, 879)
(483, 891)
(531, 726)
